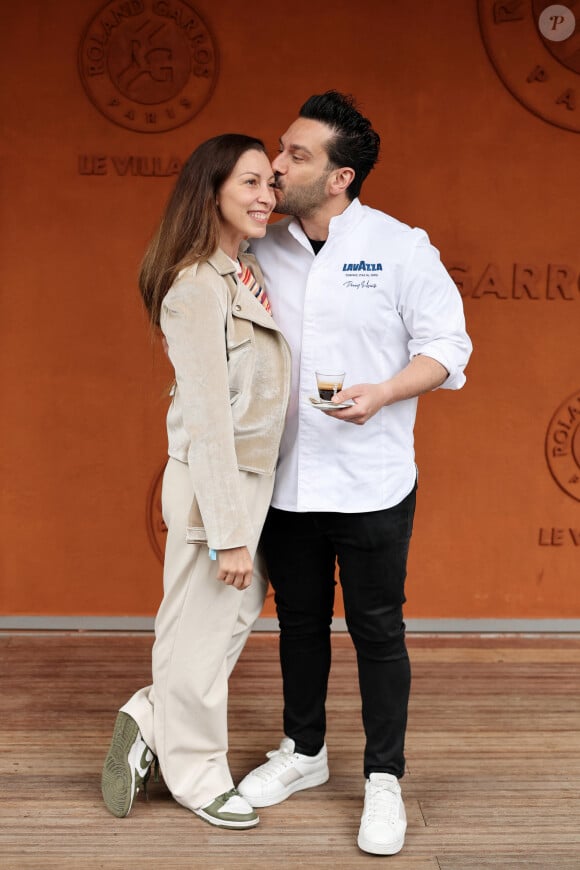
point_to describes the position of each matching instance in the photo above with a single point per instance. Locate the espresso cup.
(329, 384)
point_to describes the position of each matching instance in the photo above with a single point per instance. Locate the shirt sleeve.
(193, 322)
(432, 310)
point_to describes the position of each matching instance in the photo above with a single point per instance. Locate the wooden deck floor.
(493, 760)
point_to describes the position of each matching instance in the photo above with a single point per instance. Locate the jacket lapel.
(244, 304)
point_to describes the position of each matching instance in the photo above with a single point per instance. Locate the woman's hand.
(235, 567)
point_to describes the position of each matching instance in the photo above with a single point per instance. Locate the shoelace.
(224, 798)
(279, 761)
(382, 802)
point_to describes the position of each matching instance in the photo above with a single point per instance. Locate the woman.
(232, 372)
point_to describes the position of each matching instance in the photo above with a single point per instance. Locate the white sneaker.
(285, 772)
(384, 822)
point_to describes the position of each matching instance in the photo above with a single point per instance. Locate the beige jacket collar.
(244, 304)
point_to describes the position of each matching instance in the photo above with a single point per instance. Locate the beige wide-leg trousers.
(200, 630)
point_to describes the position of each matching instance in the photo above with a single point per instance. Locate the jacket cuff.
(195, 535)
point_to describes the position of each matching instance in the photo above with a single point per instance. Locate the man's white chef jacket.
(375, 296)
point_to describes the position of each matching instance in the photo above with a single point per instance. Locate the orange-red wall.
(496, 185)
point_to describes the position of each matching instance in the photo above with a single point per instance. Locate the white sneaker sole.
(311, 780)
(226, 823)
(380, 848)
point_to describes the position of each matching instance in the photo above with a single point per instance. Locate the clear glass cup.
(329, 384)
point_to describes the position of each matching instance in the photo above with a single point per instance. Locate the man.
(353, 290)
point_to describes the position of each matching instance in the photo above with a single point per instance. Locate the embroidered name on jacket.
(362, 266)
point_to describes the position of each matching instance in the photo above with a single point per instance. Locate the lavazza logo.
(360, 274)
(362, 266)
(535, 49)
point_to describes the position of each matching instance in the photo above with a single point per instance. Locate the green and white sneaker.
(127, 766)
(229, 810)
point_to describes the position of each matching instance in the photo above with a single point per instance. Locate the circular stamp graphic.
(537, 63)
(563, 446)
(156, 528)
(148, 65)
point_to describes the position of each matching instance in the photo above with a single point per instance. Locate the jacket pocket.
(195, 532)
(241, 360)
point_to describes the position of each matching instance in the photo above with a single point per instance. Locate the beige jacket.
(232, 372)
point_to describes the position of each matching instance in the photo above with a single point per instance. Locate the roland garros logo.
(156, 528)
(148, 65)
(563, 446)
(534, 46)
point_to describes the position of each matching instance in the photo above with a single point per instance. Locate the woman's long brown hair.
(189, 230)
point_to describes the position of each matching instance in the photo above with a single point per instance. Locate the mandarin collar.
(338, 224)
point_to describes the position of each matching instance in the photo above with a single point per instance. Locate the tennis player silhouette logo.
(148, 65)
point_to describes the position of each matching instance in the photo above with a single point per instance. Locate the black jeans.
(301, 550)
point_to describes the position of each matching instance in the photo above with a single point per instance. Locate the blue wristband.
(212, 555)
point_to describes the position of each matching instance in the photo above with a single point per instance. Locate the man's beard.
(302, 202)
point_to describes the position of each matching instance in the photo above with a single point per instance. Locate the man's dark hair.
(354, 143)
